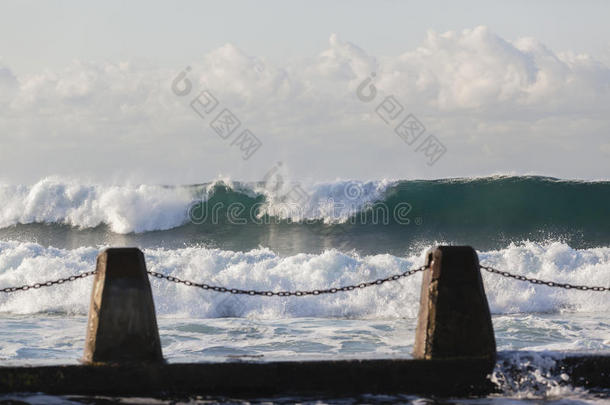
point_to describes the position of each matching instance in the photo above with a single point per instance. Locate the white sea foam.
(124, 209)
(22, 263)
(553, 261)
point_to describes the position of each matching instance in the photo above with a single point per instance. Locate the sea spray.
(532, 375)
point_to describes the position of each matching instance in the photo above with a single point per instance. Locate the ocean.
(312, 236)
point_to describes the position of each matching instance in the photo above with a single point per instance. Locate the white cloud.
(484, 96)
(476, 69)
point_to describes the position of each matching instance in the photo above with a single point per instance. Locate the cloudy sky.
(108, 92)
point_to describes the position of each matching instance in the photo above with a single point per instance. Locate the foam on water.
(123, 208)
(532, 375)
(576, 331)
(23, 263)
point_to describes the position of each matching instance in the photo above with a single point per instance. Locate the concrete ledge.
(240, 379)
(454, 377)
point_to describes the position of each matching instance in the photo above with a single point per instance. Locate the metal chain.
(287, 293)
(300, 293)
(547, 283)
(47, 283)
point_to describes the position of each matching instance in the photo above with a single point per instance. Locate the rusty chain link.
(547, 283)
(47, 283)
(287, 293)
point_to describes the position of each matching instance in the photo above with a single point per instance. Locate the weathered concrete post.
(454, 318)
(122, 324)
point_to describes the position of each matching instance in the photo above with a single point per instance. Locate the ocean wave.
(514, 206)
(22, 263)
(143, 208)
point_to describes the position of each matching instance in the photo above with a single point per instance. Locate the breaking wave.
(517, 208)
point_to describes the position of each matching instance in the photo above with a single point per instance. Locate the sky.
(112, 93)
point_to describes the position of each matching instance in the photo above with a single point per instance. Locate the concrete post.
(454, 318)
(122, 324)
